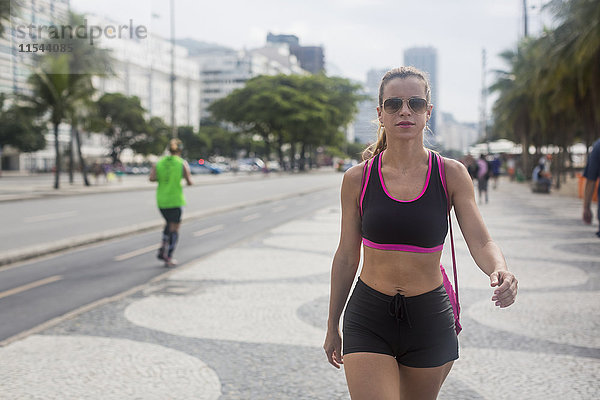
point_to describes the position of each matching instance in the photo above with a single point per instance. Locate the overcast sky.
(357, 35)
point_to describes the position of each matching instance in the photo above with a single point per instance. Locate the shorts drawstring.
(398, 309)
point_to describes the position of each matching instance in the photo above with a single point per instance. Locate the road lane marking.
(250, 217)
(279, 208)
(136, 253)
(49, 217)
(31, 285)
(209, 230)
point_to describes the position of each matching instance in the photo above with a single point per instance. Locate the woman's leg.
(173, 236)
(372, 376)
(422, 383)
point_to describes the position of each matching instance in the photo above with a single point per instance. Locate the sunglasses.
(417, 104)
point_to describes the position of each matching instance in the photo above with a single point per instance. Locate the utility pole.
(483, 102)
(525, 33)
(173, 126)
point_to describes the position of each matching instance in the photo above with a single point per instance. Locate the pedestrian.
(591, 174)
(495, 165)
(399, 333)
(541, 179)
(168, 172)
(511, 167)
(483, 176)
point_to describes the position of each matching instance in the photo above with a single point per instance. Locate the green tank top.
(169, 172)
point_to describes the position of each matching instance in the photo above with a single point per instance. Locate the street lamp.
(173, 127)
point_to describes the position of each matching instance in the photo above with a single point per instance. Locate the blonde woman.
(399, 332)
(168, 172)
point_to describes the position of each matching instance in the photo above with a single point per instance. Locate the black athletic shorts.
(418, 330)
(171, 214)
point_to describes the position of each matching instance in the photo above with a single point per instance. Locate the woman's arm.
(187, 175)
(483, 249)
(153, 174)
(345, 262)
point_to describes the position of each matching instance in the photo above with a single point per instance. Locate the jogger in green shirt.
(168, 172)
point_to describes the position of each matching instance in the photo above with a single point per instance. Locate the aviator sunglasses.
(417, 104)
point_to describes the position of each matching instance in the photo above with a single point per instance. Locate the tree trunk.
(267, 147)
(71, 156)
(293, 155)
(57, 151)
(280, 151)
(557, 166)
(525, 155)
(303, 157)
(81, 159)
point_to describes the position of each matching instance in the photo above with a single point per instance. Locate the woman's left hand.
(506, 290)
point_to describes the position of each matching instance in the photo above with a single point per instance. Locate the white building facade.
(223, 70)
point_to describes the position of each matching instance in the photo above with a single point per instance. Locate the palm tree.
(56, 93)
(551, 91)
(85, 62)
(513, 108)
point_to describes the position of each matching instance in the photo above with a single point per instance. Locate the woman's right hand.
(333, 347)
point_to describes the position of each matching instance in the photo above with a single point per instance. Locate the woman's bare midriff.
(409, 274)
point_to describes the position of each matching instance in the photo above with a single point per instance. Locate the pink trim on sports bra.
(402, 247)
(364, 188)
(443, 177)
(404, 201)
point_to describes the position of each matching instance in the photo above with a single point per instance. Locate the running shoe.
(170, 262)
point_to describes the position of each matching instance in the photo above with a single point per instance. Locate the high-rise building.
(311, 58)
(425, 59)
(16, 64)
(142, 68)
(15, 61)
(455, 135)
(365, 123)
(222, 69)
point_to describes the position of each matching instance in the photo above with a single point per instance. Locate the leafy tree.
(55, 93)
(551, 92)
(291, 109)
(195, 144)
(223, 142)
(85, 62)
(122, 120)
(154, 139)
(19, 128)
(62, 91)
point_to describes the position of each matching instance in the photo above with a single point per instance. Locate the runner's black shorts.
(418, 330)
(171, 214)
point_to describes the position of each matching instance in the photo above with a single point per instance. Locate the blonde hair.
(400, 73)
(175, 146)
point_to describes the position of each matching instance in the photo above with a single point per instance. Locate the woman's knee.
(372, 376)
(422, 383)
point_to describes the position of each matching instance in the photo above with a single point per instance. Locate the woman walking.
(399, 333)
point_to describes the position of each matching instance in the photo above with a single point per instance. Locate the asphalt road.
(34, 292)
(31, 224)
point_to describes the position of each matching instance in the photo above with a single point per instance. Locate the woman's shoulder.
(353, 177)
(456, 172)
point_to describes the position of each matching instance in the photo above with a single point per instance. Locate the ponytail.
(175, 146)
(375, 148)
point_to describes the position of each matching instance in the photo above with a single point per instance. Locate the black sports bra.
(419, 225)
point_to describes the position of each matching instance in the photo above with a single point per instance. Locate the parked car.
(250, 164)
(136, 170)
(203, 167)
(345, 165)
